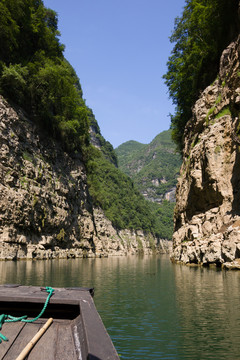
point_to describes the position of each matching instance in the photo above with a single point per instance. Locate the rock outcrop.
(207, 214)
(45, 208)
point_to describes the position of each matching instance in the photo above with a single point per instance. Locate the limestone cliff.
(45, 207)
(207, 214)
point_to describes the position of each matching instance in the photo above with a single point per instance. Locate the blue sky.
(119, 50)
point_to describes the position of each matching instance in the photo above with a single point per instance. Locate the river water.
(151, 308)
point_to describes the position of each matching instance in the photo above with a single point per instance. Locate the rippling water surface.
(151, 308)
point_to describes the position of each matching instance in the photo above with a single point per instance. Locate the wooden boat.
(77, 331)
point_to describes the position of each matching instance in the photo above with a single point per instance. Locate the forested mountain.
(153, 167)
(125, 153)
(35, 76)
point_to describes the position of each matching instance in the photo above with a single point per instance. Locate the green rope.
(8, 318)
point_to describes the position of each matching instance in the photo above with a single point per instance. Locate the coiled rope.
(8, 318)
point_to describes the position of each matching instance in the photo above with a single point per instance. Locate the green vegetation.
(96, 137)
(35, 76)
(163, 215)
(27, 156)
(61, 235)
(210, 112)
(126, 153)
(115, 193)
(35, 200)
(200, 35)
(154, 167)
(223, 112)
(217, 149)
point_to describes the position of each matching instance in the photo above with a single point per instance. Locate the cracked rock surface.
(45, 208)
(207, 214)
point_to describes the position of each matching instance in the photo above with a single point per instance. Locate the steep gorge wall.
(45, 208)
(207, 214)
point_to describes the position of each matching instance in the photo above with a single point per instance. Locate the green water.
(151, 308)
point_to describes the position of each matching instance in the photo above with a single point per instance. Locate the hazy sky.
(119, 49)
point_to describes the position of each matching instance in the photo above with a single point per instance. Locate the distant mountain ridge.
(153, 167)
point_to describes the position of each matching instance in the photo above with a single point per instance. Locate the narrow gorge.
(46, 210)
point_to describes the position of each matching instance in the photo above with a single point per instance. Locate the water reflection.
(151, 308)
(134, 295)
(208, 310)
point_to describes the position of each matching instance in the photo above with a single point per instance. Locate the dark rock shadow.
(235, 180)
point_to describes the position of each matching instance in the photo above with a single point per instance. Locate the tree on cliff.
(35, 75)
(200, 35)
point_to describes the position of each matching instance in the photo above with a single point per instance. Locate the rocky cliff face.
(207, 215)
(45, 208)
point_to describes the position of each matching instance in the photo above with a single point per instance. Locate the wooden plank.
(99, 344)
(26, 334)
(11, 331)
(87, 331)
(24, 353)
(45, 348)
(35, 294)
(65, 344)
(79, 338)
